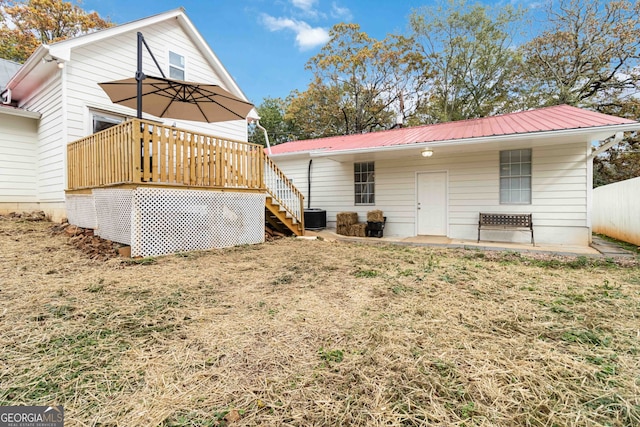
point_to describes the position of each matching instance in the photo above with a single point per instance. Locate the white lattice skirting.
(161, 221)
(81, 210)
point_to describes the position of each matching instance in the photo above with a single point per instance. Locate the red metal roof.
(560, 117)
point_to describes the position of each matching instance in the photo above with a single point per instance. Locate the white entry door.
(432, 204)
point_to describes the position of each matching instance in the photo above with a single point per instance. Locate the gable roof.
(549, 119)
(36, 68)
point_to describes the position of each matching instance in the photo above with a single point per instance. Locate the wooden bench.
(493, 221)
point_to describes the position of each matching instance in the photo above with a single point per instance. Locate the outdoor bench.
(493, 221)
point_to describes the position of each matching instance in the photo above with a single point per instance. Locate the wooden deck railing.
(104, 158)
(144, 152)
(138, 151)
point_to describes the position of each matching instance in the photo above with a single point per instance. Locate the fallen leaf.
(232, 416)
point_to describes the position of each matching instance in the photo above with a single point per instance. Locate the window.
(364, 179)
(515, 177)
(103, 121)
(176, 66)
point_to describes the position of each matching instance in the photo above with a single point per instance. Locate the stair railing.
(282, 190)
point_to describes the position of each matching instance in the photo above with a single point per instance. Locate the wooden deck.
(144, 153)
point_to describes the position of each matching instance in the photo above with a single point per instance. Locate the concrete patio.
(599, 248)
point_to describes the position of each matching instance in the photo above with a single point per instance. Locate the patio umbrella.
(177, 99)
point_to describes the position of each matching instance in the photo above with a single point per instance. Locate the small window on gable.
(176, 66)
(515, 177)
(102, 121)
(364, 181)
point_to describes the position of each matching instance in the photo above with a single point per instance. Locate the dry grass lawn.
(307, 333)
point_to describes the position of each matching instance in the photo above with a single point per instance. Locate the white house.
(54, 99)
(436, 179)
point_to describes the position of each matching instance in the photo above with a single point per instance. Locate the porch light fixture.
(427, 152)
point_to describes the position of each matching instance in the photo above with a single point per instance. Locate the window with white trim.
(364, 181)
(176, 66)
(515, 177)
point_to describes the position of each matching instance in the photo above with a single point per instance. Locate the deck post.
(301, 215)
(261, 161)
(136, 153)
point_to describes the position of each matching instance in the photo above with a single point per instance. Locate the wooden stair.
(279, 219)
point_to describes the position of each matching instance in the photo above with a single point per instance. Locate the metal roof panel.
(559, 117)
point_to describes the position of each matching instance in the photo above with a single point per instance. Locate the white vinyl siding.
(50, 149)
(18, 144)
(558, 188)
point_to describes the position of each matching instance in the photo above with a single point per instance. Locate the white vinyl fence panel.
(616, 210)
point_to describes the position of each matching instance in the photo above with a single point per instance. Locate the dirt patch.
(84, 240)
(299, 332)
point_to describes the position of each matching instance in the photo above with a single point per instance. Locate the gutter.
(10, 111)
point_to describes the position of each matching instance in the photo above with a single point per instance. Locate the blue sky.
(265, 44)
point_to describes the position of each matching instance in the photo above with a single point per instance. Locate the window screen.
(364, 181)
(176, 66)
(101, 122)
(515, 177)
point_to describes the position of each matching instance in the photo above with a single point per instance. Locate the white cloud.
(340, 12)
(307, 37)
(306, 5)
(307, 9)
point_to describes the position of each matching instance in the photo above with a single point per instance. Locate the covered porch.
(163, 189)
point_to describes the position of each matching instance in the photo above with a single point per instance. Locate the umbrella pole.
(139, 78)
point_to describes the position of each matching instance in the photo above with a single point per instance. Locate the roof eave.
(62, 49)
(293, 154)
(597, 133)
(20, 113)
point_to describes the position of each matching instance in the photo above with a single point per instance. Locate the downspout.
(266, 135)
(589, 164)
(6, 96)
(309, 185)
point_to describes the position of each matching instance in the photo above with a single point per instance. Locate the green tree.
(358, 85)
(24, 25)
(271, 112)
(317, 112)
(470, 60)
(588, 55)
